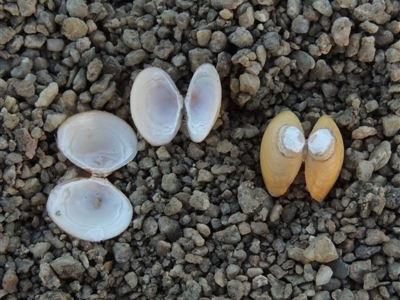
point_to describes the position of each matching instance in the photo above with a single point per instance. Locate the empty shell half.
(156, 106)
(324, 158)
(281, 153)
(203, 102)
(97, 141)
(89, 209)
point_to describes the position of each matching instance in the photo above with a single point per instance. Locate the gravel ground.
(204, 226)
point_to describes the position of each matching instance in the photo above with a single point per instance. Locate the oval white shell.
(203, 102)
(89, 209)
(156, 106)
(97, 141)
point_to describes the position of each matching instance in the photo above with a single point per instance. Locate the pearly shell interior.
(156, 106)
(97, 141)
(203, 102)
(90, 209)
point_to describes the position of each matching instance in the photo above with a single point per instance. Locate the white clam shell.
(97, 141)
(156, 106)
(203, 102)
(89, 209)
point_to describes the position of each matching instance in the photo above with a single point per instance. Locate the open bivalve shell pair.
(156, 104)
(93, 209)
(284, 147)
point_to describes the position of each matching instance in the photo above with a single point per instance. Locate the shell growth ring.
(284, 147)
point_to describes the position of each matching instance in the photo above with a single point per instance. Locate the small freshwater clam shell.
(283, 149)
(203, 102)
(281, 153)
(97, 141)
(324, 159)
(89, 209)
(156, 106)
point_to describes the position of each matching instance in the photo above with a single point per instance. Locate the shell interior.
(156, 106)
(203, 102)
(97, 141)
(89, 209)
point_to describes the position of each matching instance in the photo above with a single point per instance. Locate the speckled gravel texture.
(204, 226)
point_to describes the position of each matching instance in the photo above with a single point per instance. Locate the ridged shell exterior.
(156, 106)
(277, 169)
(89, 209)
(203, 102)
(97, 141)
(322, 175)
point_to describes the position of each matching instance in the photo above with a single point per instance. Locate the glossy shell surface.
(89, 209)
(156, 106)
(323, 169)
(279, 167)
(203, 102)
(97, 141)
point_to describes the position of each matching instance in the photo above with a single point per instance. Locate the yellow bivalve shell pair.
(284, 147)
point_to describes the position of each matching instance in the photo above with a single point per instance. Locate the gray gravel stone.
(94, 70)
(150, 226)
(364, 170)
(77, 8)
(164, 49)
(131, 279)
(391, 248)
(235, 289)
(40, 249)
(340, 30)
(170, 228)
(249, 83)
(304, 61)
(199, 200)
(67, 267)
(199, 56)
(192, 290)
(230, 235)
(48, 276)
(10, 280)
(74, 28)
(381, 155)
(47, 96)
(391, 125)
(324, 7)
(321, 249)
(171, 184)
(323, 275)
(218, 42)
(122, 252)
(370, 281)
(55, 45)
(374, 12)
(131, 39)
(358, 269)
(367, 49)
(27, 7)
(300, 24)
(227, 4)
(293, 8)
(241, 38)
(271, 41)
(135, 57)
(173, 207)
(148, 41)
